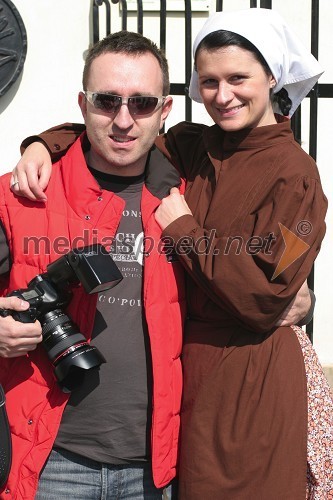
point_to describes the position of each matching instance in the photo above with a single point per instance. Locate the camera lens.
(68, 349)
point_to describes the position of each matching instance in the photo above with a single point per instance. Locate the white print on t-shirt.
(138, 248)
(131, 213)
(128, 248)
(121, 301)
(130, 271)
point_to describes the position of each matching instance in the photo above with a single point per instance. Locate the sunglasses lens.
(107, 102)
(137, 105)
(142, 105)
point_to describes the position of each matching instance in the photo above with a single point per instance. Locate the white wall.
(59, 34)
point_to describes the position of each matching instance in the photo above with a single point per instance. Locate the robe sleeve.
(255, 270)
(57, 139)
(255, 278)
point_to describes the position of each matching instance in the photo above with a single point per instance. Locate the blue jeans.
(72, 477)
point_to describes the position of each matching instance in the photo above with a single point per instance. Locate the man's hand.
(16, 338)
(297, 309)
(32, 173)
(171, 208)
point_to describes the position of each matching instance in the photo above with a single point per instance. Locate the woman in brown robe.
(248, 234)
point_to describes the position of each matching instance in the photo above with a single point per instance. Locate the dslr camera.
(48, 293)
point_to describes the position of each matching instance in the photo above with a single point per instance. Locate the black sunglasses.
(137, 105)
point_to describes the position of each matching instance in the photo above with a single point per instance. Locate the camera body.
(42, 295)
(48, 293)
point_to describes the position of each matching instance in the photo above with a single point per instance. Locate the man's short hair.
(127, 42)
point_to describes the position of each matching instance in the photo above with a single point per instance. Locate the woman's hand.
(171, 208)
(32, 173)
(298, 308)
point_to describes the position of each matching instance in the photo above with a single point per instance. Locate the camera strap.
(5, 441)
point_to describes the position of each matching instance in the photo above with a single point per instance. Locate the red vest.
(77, 213)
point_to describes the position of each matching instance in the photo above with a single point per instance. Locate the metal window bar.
(188, 57)
(96, 5)
(319, 90)
(313, 120)
(140, 16)
(124, 14)
(219, 5)
(163, 16)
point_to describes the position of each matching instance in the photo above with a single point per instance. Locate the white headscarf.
(292, 65)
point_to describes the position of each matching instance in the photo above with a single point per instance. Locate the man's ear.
(166, 108)
(82, 101)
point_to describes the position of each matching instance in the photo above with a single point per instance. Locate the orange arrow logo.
(295, 247)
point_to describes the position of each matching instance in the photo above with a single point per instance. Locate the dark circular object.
(13, 45)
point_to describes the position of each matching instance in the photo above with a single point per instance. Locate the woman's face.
(235, 88)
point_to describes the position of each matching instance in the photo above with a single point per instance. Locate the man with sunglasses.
(116, 435)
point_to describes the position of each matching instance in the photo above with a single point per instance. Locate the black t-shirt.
(108, 418)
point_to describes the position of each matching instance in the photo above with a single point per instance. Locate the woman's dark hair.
(283, 100)
(223, 38)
